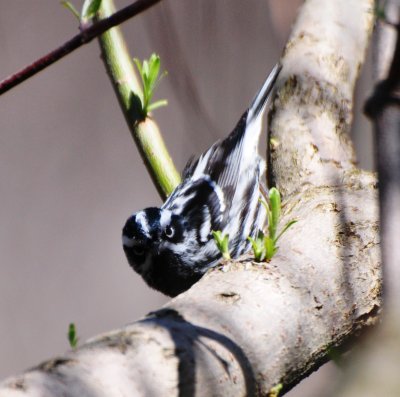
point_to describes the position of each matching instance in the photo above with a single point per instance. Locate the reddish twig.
(84, 37)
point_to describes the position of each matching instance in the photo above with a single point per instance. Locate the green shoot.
(265, 246)
(149, 71)
(69, 6)
(89, 10)
(258, 246)
(274, 211)
(290, 223)
(222, 242)
(275, 391)
(270, 248)
(72, 336)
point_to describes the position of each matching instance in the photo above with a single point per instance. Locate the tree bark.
(373, 368)
(246, 327)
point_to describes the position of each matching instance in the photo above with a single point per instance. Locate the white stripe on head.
(141, 219)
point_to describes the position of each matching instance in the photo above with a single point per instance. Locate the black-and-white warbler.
(172, 247)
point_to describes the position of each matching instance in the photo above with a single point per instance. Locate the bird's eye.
(138, 250)
(169, 231)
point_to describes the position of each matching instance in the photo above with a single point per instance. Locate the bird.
(172, 247)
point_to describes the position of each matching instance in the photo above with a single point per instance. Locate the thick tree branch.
(84, 37)
(310, 141)
(245, 327)
(373, 370)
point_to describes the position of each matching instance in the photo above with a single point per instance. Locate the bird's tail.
(258, 105)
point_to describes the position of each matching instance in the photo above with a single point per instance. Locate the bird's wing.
(226, 160)
(202, 201)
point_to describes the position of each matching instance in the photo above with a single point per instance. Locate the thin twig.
(84, 37)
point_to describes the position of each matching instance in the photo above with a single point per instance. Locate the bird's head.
(147, 234)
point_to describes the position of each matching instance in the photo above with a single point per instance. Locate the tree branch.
(145, 133)
(372, 368)
(245, 327)
(310, 141)
(384, 109)
(84, 37)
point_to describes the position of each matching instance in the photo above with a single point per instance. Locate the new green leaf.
(89, 9)
(275, 211)
(72, 336)
(222, 242)
(258, 246)
(265, 246)
(270, 248)
(69, 6)
(276, 390)
(290, 223)
(149, 71)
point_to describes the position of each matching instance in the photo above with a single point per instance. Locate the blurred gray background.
(70, 174)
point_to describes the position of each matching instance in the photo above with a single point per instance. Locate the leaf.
(258, 246)
(289, 224)
(145, 72)
(273, 214)
(138, 65)
(149, 73)
(69, 6)
(154, 68)
(275, 391)
(72, 336)
(275, 207)
(225, 247)
(270, 249)
(157, 104)
(89, 9)
(217, 235)
(267, 209)
(222, 242)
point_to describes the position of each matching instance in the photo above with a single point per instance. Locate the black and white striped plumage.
(172, 247)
